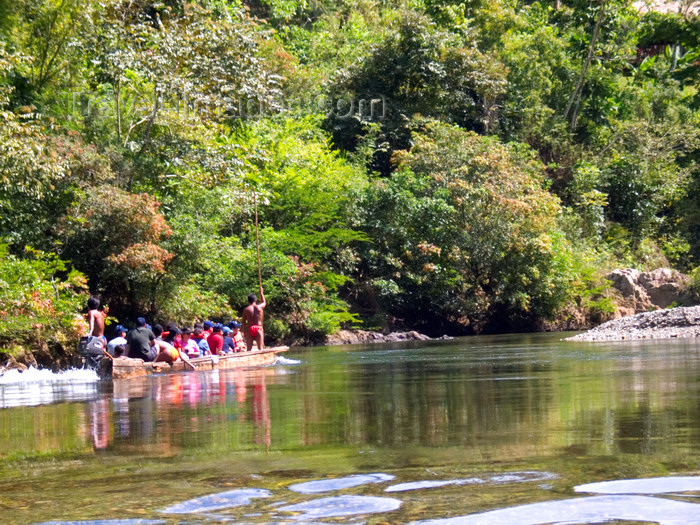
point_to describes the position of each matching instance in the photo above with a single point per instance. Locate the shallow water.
(517, 429)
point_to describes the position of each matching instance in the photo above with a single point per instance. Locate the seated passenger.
(188, 345)
(173, 335)
(165, 351)
(216, 340)
(200, 337)
(119, 354)
(229, 344)
(237, 336)
(119, 339)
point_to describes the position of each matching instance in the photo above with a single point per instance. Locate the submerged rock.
(682, 322)
(352, 337)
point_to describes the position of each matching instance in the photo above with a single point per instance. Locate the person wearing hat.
(216, 339)
(239, 343)
(119, 339)
(138, 341)
(188, 345)
(229, 345)
(208, 328)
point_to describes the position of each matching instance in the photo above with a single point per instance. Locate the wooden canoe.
(121, 368)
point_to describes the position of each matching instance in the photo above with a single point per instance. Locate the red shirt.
(216, 343)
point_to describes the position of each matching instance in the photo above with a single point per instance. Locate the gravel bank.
(661, 324)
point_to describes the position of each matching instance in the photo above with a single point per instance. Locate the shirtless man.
(96, 320)
(253, 320)
(165, 352)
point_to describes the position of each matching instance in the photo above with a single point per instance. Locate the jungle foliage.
(451, 166)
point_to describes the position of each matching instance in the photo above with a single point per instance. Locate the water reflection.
(213, 502)
(638, 399)
(161, 414)
(517, 397)
(105, 522)
(341, 506)
(327, 485)
(667, 485)
(100, 423)
(177, 406)
(495, 479)
(596, 509)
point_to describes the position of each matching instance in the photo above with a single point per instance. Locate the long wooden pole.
(257, 238)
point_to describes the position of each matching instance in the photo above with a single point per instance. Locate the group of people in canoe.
(154, 343)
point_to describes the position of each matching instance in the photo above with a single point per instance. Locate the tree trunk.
(574, 101)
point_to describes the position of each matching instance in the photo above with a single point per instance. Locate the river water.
(518, 429)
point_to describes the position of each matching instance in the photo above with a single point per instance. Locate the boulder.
(665, 286)
(645, 291)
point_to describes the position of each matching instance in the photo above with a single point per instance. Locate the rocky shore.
(682, 322)
(352, 337)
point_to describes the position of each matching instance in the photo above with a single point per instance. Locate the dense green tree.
(464, 235)
(418, 69)
(115, 238)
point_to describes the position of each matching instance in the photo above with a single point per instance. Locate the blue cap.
(208, 324)
(234, 324)
(119, 328)
(140, 321)
(226, 330)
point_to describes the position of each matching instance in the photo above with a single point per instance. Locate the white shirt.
(114, 343)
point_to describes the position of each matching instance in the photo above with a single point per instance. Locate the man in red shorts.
(253, 320)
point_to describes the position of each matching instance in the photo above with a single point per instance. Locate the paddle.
(189, 364)
(186, 361)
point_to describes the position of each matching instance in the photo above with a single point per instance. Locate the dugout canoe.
(126, 368)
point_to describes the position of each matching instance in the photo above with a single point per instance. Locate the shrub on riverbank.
(40, 303)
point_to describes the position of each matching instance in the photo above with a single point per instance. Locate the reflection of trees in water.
(402, 403)
(638, 404)
(593, 402)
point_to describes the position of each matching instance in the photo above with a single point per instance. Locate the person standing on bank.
(253, 321)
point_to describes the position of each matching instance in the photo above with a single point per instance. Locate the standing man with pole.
(253, 313)
(253, 321)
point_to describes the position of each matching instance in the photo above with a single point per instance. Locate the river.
(517, 429)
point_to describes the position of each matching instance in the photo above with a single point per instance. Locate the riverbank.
(681, 322)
